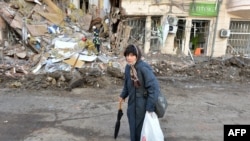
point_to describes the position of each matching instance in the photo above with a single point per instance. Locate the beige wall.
(187, 35)
(223, 23)
(234, 5)
(169, 48)
(148, 7)
(76, 3)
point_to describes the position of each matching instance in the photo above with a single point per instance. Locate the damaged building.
(47, 35)
(192, 27)
(201, 27)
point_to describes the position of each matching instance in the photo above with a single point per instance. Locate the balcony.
(239, 8)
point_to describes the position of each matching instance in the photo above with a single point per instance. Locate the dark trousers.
(97, 48)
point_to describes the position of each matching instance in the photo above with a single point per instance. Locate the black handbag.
(161, 105)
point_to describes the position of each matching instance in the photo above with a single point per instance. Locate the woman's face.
(131, 58)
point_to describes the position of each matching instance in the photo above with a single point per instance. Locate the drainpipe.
(216, 24)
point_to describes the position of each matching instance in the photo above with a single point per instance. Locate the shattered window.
(239, 39)
(137, 34)
(156, 33)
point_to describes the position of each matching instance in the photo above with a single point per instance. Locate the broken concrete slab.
(85, 21)
(87, 58)
(39, 65)
(51, 67)
(76, 80)
(21, 54)
(105, 59)
(63, 44)
(115, 72)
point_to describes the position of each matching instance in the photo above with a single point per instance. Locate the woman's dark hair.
(134, 50)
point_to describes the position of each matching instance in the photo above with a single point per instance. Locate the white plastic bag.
(151, 130)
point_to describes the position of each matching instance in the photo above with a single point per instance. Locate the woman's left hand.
(151, 113)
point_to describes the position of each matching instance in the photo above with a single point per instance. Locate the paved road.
(196, 112)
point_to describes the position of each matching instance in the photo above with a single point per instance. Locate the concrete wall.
(220, 44)
(234, 5)
(147, 7)
(169, 47)
(187, 36)
(150, 8)
(76, 3)
(94, 2)
(216, 45)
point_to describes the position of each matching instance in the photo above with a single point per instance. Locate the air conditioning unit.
(172, 20)
(173, 29)
(224, 33)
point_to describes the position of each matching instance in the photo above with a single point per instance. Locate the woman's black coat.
(141, 99)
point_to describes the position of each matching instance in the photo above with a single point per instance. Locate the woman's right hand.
(121, 100)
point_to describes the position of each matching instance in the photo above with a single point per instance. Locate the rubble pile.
(42, 48)
(233, 69)
(216, 70)
(41, 38)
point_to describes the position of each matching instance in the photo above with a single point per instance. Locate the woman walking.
(142, 89)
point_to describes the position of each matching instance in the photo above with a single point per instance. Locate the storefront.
(199, 27)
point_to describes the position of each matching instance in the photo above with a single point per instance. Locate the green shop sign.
(203, 9)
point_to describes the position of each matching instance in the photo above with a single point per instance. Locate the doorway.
(199, 37)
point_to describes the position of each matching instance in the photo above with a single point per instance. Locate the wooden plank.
(2, 23)
(125, 35)
(73, 60)
(37, 30)
(53, 7)
(7, 14)
(1, 36)
(17, 22)
(119, 34)
(54, 18)
(2, 28)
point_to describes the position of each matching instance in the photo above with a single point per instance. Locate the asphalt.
(196, 112)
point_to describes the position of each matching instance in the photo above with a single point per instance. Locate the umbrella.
(119, 116)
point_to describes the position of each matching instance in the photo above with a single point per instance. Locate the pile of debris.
(235, 69)
(38, 37)
(41, 48)
(231, 69)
